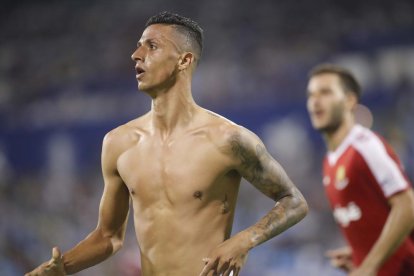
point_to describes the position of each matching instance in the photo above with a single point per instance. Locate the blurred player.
(180, 165)
(371, 198)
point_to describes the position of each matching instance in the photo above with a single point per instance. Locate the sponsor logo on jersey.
(341, 181)
(345, 215)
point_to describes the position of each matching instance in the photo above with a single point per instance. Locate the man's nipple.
(198, 194)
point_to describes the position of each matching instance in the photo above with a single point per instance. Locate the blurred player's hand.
(341, 258)
(54, 267)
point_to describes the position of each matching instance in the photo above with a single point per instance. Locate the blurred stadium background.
(66, 78)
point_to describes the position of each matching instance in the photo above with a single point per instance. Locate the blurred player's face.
(326, 102)
(157, 56)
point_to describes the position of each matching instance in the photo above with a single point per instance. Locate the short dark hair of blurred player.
(371, 197)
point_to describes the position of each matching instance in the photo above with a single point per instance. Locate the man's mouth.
(318, 113)
(139, 71)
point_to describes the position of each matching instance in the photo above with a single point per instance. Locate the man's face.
(157, 56)
(326, 102)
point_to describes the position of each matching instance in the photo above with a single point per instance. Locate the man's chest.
(176, 169)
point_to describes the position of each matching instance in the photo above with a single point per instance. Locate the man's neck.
(334, 139)
(172, 109)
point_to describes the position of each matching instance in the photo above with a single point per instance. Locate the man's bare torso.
(183, 188)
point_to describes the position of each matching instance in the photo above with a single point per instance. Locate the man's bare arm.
(109, 234)
(398, 226)
(258, 167)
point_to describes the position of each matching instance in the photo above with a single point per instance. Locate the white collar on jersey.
(333, 156)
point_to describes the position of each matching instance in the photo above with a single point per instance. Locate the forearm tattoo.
(287, 212)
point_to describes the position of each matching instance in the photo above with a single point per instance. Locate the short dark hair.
(184, 25)
(348, 80)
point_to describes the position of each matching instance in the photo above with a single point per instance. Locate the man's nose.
(312, 102)
(137, 55)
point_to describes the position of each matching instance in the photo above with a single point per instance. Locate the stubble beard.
(153, 89)
(335, 121)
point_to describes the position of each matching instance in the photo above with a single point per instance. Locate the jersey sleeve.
(385, 169)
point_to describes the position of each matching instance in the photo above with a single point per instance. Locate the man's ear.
(185, 61)
(351, 100)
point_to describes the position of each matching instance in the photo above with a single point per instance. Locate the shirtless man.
(181, 167)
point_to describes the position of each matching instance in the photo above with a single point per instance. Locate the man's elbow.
(301, 206)
(298, 206)
(117, 240)
(305, 208)
(114, 240)
(117, 243)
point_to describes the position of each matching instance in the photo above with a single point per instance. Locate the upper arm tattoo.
(259, 168)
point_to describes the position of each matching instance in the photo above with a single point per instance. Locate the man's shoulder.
(125, 134)
(368, 142)
(229, 135)
(222, 127)
(374, 150)
(224, 124)
(217, 119)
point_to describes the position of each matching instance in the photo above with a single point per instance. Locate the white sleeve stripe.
(385, 170)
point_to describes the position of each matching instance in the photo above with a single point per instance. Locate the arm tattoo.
(259, 168)
(287, 212)
(250, 161)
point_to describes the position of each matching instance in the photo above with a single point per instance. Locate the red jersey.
(359, 177)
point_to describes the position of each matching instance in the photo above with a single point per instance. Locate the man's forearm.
(94, 249)
(288, 211)
(399, 224)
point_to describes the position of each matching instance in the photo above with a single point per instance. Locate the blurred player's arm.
(257, 166)
(398, 226)
(109, 234)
